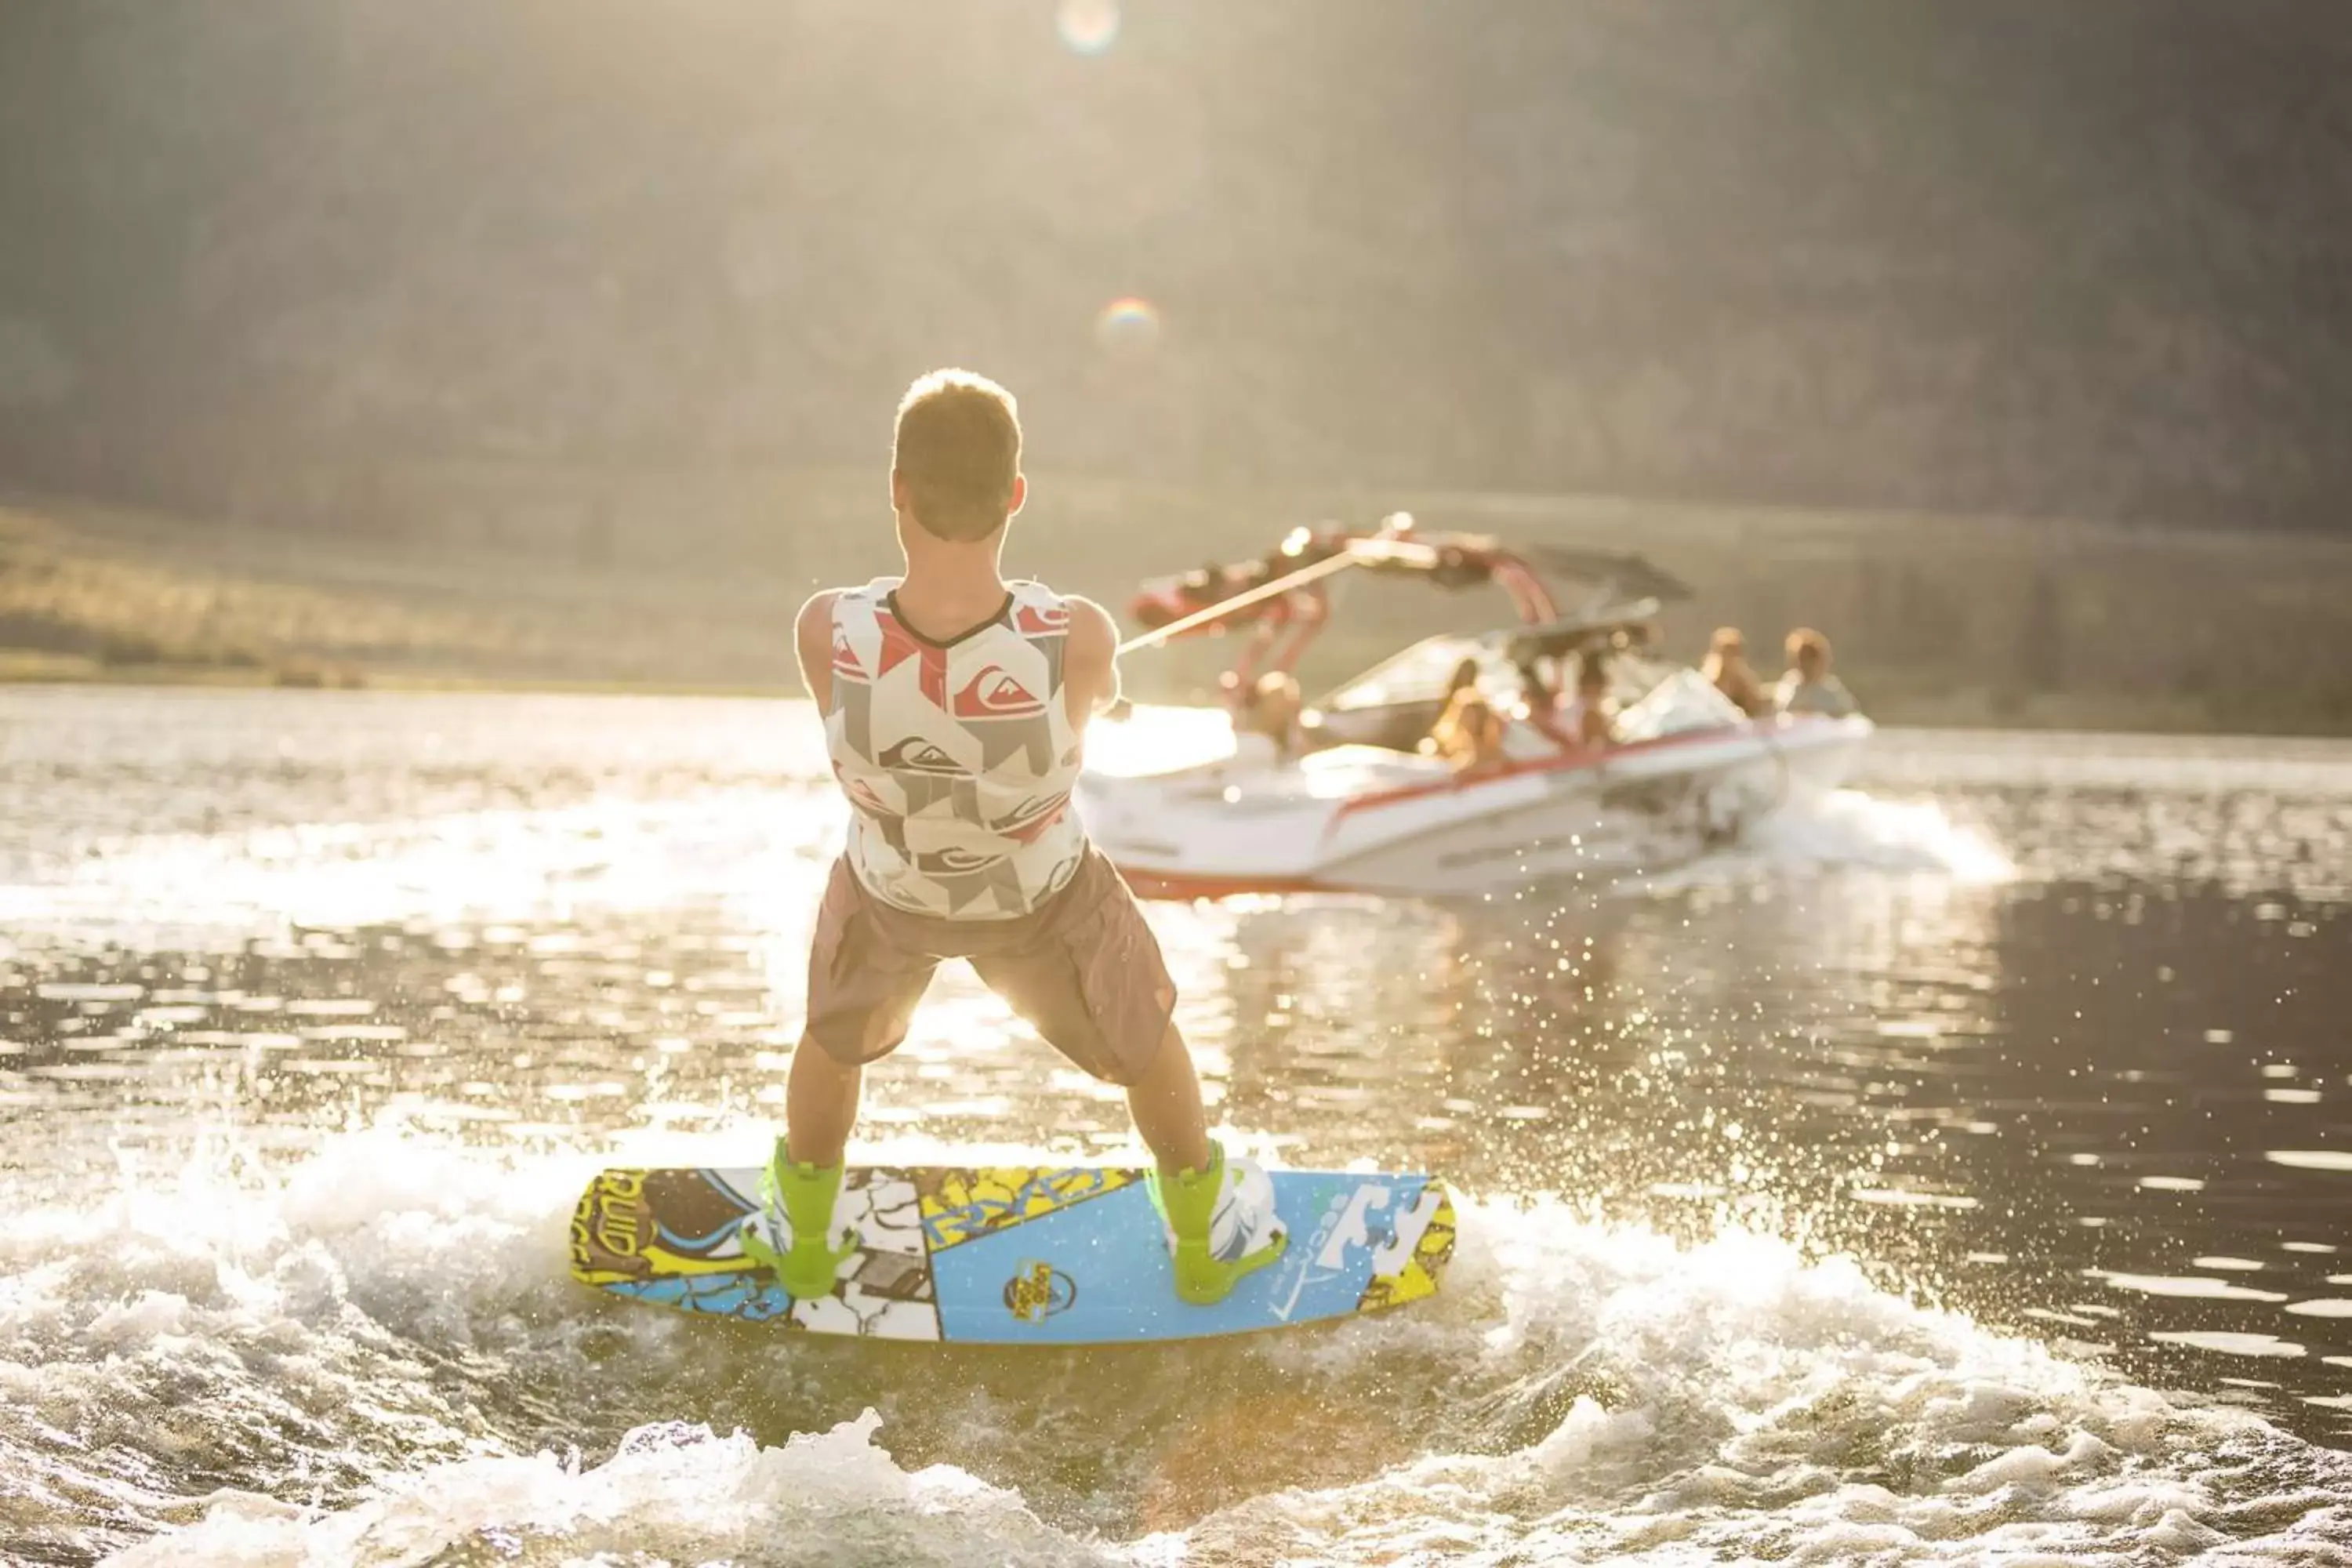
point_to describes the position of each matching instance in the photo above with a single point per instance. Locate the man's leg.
(1105, 1000)
(1165, 1101)
(820, 1105)
(1193, 1183)
(861, 993)
(805, 1176)
(1096, 986)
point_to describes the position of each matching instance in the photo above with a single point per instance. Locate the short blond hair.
(1805, 640)
(957, 448)
(1276, 681)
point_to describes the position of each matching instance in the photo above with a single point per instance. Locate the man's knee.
(1169, 1056)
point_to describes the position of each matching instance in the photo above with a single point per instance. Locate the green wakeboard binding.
(802, 1197)
(1187, 1201)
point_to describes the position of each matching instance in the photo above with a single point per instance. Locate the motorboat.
(1355, 802)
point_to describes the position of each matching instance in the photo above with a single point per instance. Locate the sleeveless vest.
(957, 758)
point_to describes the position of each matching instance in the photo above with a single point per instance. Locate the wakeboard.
(1071, 1255)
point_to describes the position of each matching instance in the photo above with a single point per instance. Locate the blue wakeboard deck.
(1071, 1255)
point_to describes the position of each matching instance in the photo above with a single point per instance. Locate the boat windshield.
(1685, 700)
(1419, 674)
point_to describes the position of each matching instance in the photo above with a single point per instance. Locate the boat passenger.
(1266, 720)
(1469, 732)
(1587, 722)
(1535, 689)
(1808, 687)
(1539, 704)
(1727, 669)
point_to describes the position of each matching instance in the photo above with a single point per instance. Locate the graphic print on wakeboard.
(1020, 1255)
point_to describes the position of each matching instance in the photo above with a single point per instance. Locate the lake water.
(1963, 1172)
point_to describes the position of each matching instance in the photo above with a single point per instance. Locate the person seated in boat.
(1469, 732)
(1266, 730)
(1538, 700)
(1540, 707)
(1586, 722)
(1535, 690)
(1638, 638)
(1726, 667)
(1808, 687)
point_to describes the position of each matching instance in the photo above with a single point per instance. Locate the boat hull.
(1375, 822)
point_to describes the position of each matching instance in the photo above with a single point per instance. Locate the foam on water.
(1848, 829)
(378, 1346)
(671, 1493)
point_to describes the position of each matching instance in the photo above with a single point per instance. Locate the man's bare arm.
(812, 641)
(1090, 663)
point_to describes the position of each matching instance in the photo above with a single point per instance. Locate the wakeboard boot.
(803, 1246)
(1221, 1224)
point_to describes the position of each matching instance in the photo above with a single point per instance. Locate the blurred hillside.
(423, 268)
(556, 339)
(1988, 621)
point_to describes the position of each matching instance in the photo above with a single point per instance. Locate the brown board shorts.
(1083, 968)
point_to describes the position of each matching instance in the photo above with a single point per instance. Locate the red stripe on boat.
(1188, 885)
(1550, 765)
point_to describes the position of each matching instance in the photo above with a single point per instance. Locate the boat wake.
(378, 1339)
(1849, 829)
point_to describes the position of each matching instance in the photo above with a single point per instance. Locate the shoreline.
(1966, 713)
(1982, 624)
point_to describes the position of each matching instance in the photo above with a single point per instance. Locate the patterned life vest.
(958, 757)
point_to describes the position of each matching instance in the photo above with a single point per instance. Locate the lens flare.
(1087, 27)
(1129, 325)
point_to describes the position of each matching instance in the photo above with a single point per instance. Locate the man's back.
(958, 755)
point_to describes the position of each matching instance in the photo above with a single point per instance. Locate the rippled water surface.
(1961, 1172)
